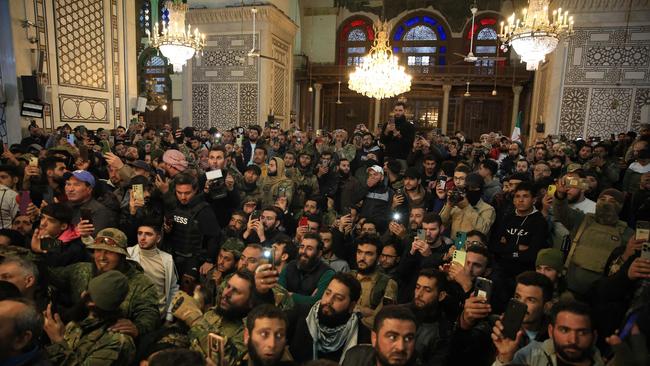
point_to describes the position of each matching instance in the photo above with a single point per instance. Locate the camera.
(216, 184)
(456, 195)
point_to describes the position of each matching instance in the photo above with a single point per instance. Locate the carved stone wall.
(606, 81)
(225, 83)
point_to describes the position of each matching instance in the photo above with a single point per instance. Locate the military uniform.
(141, 302)
(90, 342)
(275, 186)
(281, 297)
(231, 330)
(306, 186)
(374, 288)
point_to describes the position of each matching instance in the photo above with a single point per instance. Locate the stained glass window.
(420, 40)
(156, 61)
(420, 33)
(486, 34)
(354, 40)
(357, 35)
(145, 16)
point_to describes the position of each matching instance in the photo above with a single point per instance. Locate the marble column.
(317, 90)
(515, 105)
(377, 116)
(445, 108)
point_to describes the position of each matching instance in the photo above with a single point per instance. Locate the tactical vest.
(593, 243)
(378, 290)
(301, 283)
(186, 238)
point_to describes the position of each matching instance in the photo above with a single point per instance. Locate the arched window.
(420, 40)
(153, 72)
(143, 11)
(355, 38)
(485, 41)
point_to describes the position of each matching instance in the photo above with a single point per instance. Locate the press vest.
(186, 238)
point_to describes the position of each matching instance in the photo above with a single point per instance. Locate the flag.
(516, 132)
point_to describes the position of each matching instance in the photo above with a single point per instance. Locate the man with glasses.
(467, 211)
(389, 259)
(140, 307)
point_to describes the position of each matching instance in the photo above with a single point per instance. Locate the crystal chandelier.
(380, 75)
(534, 36)
(177, 43)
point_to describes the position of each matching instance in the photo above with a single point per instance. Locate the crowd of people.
(262, 246)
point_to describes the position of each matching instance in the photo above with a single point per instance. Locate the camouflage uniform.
(281, 297)
(306, 185)
(231, 330)
(90, 342)
(141, 302)
(273, 187)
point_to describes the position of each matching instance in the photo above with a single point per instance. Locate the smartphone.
(216, 344)
(255, 215)
(397, 217)
(513, 317)
(138, 192)
(645, 250)
(442, 181)
(303, 221)
(48, 243)
(25, 200)
(459, 257)
(268, 257)
(86, 214)
(461, 238)
(240, 140)
(579, 183)
(33, 161)
(71, 139)
(483, 288)
(551, 189)
(642, 231)
(422, 234)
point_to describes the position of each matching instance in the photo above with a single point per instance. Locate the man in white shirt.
(157, 265)
(576, 196)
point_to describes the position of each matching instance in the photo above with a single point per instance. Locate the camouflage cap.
(573, 167)
(108, 290)
(233, 245)
(112, 240)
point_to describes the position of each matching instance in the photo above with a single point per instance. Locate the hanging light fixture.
(338, 100)
(535, 35)
(467, 93)
(177, 43)
(380, 75)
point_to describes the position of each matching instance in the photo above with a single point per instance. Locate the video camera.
(456, 195)
(216, 184)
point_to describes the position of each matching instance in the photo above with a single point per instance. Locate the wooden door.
(482, 116)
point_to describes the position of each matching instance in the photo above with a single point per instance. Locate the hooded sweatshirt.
(276, 185)
(519, 240)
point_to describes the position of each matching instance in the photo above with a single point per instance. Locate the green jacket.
(306, 185)
(90, 343)
(232, 330)
(140, 304)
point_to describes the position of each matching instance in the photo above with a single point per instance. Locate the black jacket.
(399, 148)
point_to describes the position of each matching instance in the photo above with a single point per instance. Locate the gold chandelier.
(380, 75)
(535, 35)
(177, 43)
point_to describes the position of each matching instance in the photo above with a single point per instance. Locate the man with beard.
(376, 198)
(576, 195)
(594, 236)
(427, 253)
(330, 327)
(226, 319)
(265, 336)
(389, 259)
(398, 134)
(348, 185)
(249, 145)
(275, 184)
(305, 179)
(227, 260)
(52, 181)
(222, 193)
(430, 172)
(431, 338)
(236, 225)
(509, 163)
(194, 234)
(264, 229)
(249, 187)
(376, 287)
(307, 277)
(393, 340)
(329, 256)
(87, 339)
(289, 163)
(368, 146)
(140, 307)
(571, 340)
(412, 194)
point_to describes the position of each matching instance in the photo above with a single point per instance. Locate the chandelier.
(535, 35)
(175, 42)
(379, 75)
